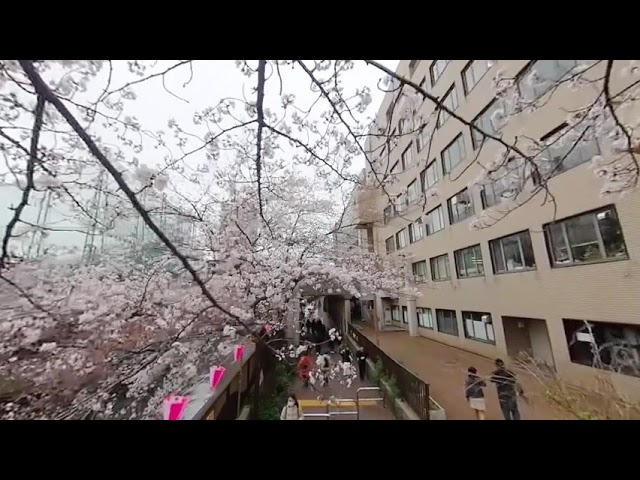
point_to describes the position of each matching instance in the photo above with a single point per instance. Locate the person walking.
(324, 363)
(361, 357)
(474, 393)
(305, 364)
(292, 410)
(508, 390)
(347, 360)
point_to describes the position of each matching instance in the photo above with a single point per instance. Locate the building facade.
(553, 280)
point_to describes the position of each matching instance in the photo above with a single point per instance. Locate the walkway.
(308, 398)
(445, 369)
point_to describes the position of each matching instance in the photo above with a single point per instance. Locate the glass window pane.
(611, 233)
(583, 239)
(496, 254)
(560, 250)
(511, 247)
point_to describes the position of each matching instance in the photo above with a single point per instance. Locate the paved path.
(445, 369)
(309, 402)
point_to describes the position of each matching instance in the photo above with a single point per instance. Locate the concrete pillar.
(379, 308)
(347, 315)
(413, 317)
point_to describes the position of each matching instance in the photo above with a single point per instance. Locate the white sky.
(211, 81)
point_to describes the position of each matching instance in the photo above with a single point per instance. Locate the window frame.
(470, 336)
(423, 176)
(425, 276)
(599, 239)
(462, 158)
(441, 217)
(496, 102)
(386, 244)
(459, 257)
(411, 228)
(434, 77)
(402, 233)
(433, 270)
(471, 210)
(455, 321)
(407, 152)
(498, 242)
(429, 317)
(451, 93)
(468, 67)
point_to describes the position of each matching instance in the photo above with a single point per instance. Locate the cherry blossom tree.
(235, 213)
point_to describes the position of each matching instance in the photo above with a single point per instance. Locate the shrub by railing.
(410, 387)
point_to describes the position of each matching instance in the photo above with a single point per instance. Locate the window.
(390, 244)
(453, 154)
(429, 176)
(440, 268)
(413, 192)
(395, 313)
(478, 326)
(490, 121)
(405, 315)
(401, 203)
(547, 73)
(513, 253)
(423, 84)
(407, 157)
(401, 126)
(567, 155)
(396, 168)
(425, 317)
(469, 262)
(606, 346)
(451, 102)
(401, 239)
(474, 72)
(447, 321)
(434, 221)
(437, 69)
(419, 270)
(389, 114)
(460, 207)
(416, 232)
(590, 237)
(413, 64)
(507, 183)
(419, 142)
(388, 213)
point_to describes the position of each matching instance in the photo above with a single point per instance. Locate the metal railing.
(368, 389)
(412, 389)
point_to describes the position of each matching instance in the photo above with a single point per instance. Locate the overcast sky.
(209, 82)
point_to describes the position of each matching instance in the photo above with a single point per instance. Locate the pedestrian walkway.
(445, 369)
(369, 410)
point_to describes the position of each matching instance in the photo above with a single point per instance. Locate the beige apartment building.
(549, 281)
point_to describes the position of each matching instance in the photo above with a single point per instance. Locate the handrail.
(377, 399)
(322, 415)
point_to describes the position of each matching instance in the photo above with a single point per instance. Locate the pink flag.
(174, 407)
(216, 376)
(238, 352)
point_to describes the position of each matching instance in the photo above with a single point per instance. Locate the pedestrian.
(324, 363)
(474, 393)
(508, 390)
(347, 359)
(333, 333)
(345, 354)
(292, 410)
(305, 364)
(361, 357)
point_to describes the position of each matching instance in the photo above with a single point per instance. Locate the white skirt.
(477, 404)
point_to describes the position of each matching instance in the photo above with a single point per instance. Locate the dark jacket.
(473, 387)
(345, 353)
(361, 356)
(506, 384)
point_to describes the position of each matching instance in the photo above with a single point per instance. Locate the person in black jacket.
(361, 357)
(474, 393)
(508, 391)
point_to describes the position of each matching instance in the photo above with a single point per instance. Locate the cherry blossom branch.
(44, 91)
(260, 114)
(158, 74)
(31, 165)
(609, 99)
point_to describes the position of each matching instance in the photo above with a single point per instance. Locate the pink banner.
(216, 376)
(238, 353)
(174, 407)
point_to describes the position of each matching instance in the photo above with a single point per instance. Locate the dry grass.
(598, 400)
